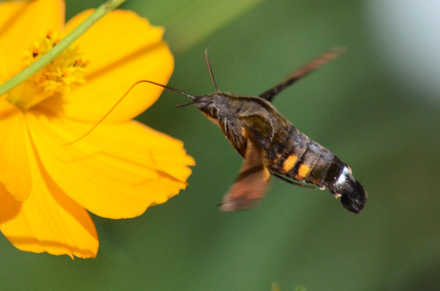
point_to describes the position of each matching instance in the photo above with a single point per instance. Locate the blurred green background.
(377, 107)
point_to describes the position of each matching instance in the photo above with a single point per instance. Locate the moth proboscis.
(271, 145)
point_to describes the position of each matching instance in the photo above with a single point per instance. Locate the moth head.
(207, 105)
(211, 110)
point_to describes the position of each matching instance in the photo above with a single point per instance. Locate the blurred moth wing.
(252, 181)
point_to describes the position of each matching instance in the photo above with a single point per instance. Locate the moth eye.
(213, 111)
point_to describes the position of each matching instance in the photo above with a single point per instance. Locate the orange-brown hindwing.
(251, 183)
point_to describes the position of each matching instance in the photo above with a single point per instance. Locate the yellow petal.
(48, 221)
(21, 23)
(15, 148)
(115, 172)
(122, 48)
(137, 143)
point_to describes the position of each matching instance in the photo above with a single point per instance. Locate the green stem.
(60, 47)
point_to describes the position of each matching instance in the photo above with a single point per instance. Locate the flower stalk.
(60, 47)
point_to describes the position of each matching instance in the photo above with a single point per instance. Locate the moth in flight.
(272, 146)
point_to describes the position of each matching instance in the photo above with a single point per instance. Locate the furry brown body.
(286, 152)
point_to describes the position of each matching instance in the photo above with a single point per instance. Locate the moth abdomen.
(302, 159)
(330, 172)
(305, 160)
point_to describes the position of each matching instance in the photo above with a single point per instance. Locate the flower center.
(59, 76)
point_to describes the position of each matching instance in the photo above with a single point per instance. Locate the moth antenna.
(210, 71)
(302, 72)
(119, 101)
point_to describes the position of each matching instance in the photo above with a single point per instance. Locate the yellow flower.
(117, 171)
